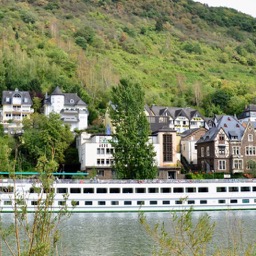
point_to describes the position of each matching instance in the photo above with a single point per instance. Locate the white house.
(96, 153)
(16, 105)
(72, 109)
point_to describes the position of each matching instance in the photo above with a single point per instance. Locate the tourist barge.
(133, 196)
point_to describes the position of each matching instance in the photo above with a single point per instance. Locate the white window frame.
(238, 164)
(250, 151)
(250, 137)
(222, 165)
(236, 151)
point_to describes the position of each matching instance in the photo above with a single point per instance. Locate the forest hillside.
(181, 52)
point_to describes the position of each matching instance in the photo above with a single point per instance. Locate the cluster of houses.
(181, 137)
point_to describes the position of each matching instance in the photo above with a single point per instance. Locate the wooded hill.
(182, 52)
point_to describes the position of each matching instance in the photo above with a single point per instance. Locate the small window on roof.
(71, 101)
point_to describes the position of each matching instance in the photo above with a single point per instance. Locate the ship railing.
(101, 181)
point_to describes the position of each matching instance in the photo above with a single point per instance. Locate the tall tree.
(46, 136)
(134, 154)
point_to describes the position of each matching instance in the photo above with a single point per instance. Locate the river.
(121, 234)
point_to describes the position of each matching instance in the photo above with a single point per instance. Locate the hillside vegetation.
(183, 53)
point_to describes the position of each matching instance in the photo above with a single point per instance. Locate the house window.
(202, 151)
(207, 151)
(221, 150)
(238, 164)
(250, 151)
(250, 137)
(221, 137)
(222, 164)
(101, 173)
(167, 148)
(236, 151)
(250, 165)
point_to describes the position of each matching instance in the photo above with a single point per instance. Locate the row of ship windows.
(164, 202)
(136, 190)
(149, 190)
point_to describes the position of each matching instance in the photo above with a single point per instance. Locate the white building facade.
(72, 109)
(96, 153)
(16, 105)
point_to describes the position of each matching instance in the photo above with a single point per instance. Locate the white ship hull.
(130, 196)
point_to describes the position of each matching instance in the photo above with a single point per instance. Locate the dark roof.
(7, 97)
(163, 129)
(70, 99)
(174, 112)
(188, 132)
(247, 111)
(230, 125)
(57, 91)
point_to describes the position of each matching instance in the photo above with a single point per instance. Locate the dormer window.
(71, 101)
(16, 95)
(7, 99)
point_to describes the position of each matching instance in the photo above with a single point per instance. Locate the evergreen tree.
(134, 154)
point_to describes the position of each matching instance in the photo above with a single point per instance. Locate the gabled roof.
(174, 112)
(148, 110)
(230, 125)
(8, 95)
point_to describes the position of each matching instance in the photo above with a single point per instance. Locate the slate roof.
(230, 125)
(57, 91)
(163, 129)
(70, 99)
(174, 112)
(25, 97)
(247, 111)
(188, 132)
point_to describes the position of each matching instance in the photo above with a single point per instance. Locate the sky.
(245, 6)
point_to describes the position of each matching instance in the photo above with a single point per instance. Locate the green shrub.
(80, 41)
